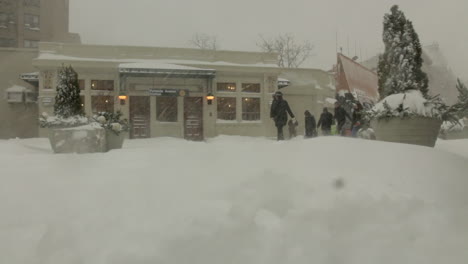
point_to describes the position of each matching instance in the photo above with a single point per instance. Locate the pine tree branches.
(400, 67)
(67, 99)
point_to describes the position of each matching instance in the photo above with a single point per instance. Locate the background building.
(23, 24)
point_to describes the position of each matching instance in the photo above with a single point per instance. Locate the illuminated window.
(226, 87)
(166, 109)
(101, 103)
(107, 85)
(250, 87)
(226, 108)
(250, 109)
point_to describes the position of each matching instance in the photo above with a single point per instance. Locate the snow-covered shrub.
(407, 105)
(67, 98)
(67, 107)
(400, 66)
(46, 121)
(112, 121)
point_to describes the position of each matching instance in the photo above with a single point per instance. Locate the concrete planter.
(113, 140)
(463, 134)
(416, 131)
(82, 139)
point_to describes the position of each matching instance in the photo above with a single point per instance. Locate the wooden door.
(193, 118)
(140, 117)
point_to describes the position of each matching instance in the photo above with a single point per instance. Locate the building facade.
(163, 91)
(23, 24)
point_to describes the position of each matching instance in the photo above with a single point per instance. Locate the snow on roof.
(158, 65)
(60, 57)
(17, 89)
(361, 80)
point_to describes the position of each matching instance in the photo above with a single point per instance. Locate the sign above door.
(168, 92)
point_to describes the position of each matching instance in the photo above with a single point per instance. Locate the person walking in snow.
(357, 118)
(325, 121)
(310, 124)
(340, 116)
(279, 112)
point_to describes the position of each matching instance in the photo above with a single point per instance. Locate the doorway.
(140, 117)
(193, 118)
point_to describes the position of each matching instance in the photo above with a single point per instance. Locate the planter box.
(455, 135)
(416, 131)
(82, 139)
(114, 141)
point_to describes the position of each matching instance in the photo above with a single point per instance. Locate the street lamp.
(209, 98)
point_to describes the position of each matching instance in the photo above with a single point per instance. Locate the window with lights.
(102, 103)
(226, 108)
(102, 85)
(250, 109)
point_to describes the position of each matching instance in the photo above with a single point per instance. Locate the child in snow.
(310, 125)
(292, 128)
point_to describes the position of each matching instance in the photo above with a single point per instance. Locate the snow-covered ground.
(235, 200)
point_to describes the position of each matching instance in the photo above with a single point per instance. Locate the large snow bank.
(234, 200)
(406, 104)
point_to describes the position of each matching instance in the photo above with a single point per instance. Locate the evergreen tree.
(67, 99)
(462, 97)
(399, 68)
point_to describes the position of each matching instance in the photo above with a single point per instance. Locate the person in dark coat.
(340, 117)
(325, 121)
(310, 125)
(279, 112)
(357, 118)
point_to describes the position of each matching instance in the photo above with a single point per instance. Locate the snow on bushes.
(56, 121)
(409, 104)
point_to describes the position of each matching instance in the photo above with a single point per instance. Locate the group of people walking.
(280, 110)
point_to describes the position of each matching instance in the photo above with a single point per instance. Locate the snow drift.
(234, 200)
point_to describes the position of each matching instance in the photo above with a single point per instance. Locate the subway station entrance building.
(166, 92)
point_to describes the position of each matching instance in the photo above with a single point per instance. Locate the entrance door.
(139, 116)
(193, 118)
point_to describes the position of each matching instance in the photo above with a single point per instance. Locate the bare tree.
(290, 53)
(204, 41)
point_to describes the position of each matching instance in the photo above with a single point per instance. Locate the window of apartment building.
(166, 109)
(226, 108)
(35, 3)
(250, 109)
(6, 42)
(106, 85)
(4, 20)
(31, 21)
(226, 87)
(81, 84)
(251, 88)
(102, 103)
(31, 44)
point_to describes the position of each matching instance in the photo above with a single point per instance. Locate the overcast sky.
(238, 23)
